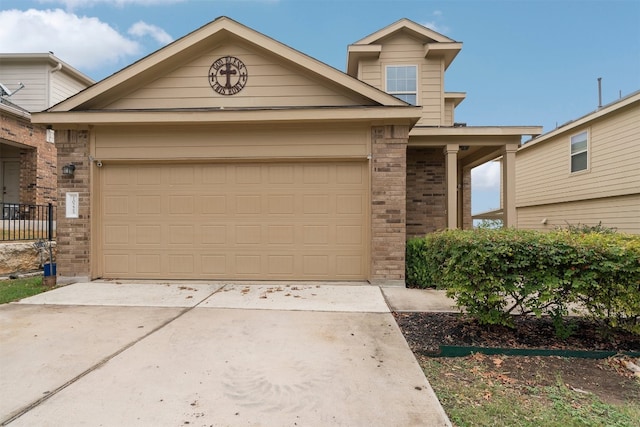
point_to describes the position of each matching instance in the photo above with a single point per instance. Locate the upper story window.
(580, 152)
(402, 82)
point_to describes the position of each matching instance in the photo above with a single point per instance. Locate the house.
(229, 155)
(31, 83)
(585, 172)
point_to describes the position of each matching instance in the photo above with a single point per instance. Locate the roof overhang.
(456, 97)
(448, 51)
(475, 144)
(476, 131)
(356, 53)
(568, 127)
(10, 108)
(492, 214)
(81, 119)
(50, 59)
(407, 25)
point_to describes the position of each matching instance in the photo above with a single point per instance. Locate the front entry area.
(239, 221)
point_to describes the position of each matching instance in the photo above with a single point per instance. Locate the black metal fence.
(27, 222)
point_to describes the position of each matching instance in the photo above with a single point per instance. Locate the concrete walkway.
(174, 354)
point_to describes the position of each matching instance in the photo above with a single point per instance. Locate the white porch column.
(451, 162)
(509, 185)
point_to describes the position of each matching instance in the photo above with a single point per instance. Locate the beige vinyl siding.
(270, 84)
(198, 142)
(432, 93)
(402, 49)
(621, 212)
(33, 97)
(63, 86)
(371, 73)
(543, 173)
(449, 107)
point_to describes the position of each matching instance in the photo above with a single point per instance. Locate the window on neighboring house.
(402, 82)
(580, 152)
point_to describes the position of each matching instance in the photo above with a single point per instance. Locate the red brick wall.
(388, 203)
(37, 164)
(74, 234)
(426, 191)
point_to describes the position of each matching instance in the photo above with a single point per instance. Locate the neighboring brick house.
(28, 161)
(228, 155)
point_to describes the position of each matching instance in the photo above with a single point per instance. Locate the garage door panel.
(350, 204)
(215, 265)
(235, 221)
(116, 264)
(147, 234)
(147, 264)
(281, 204)
(280, 234)
(117, 204)
(281, 174)
(347, 174)
(248, 265)
(213, 234)
(117, 235)
(181, 264)
(147, 204)
(349, 265)
(248, 174)
(215, 204)
(248, 204)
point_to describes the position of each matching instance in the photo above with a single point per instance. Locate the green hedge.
(494, 274)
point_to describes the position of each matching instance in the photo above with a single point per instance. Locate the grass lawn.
(489, 391)
(15, 289)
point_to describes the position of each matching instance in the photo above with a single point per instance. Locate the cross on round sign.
(228, 75)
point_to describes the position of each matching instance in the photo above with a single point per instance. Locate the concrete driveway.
(176, 354)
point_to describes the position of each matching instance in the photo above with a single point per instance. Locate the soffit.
(376, 115)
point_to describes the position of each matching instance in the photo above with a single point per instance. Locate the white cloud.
(435, 23)
(486, 176)
(83, 42)
(76, 4)
(141, 29)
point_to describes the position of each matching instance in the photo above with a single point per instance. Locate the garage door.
(262, 221)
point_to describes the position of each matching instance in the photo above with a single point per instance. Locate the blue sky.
(523, 62)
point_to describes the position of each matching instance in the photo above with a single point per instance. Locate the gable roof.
(216, 31)
(611, 108)
(435, 43)
(404, 24)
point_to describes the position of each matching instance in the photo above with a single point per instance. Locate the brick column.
(451, 162)
(74, 234)
(28, 175)
(388, 204)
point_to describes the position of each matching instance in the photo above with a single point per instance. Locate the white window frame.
(406, 92)
(585, 150)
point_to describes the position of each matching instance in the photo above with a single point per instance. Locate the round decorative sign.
(228, 75)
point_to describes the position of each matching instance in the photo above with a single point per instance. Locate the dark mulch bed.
(425, 332)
